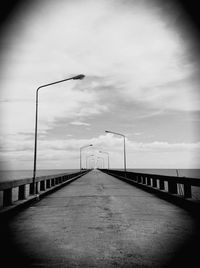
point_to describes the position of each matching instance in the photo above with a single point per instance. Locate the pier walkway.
(100, 221)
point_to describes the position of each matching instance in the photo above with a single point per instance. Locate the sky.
(141, 70)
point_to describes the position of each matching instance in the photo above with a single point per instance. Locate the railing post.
(22, 192)
(161, 184)
(7, 197)
(143, 179)
(139, 179)
(172, 187)
(187, 190)
(52, 182)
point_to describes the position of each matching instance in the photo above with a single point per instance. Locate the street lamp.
(81, 148)
(107, 131)
(80, 76)
(108, 157)
(87, 159)
(102, 161)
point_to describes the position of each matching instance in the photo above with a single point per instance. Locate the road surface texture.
(100, 221)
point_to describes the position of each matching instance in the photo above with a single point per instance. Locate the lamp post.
(87, 159)
(108, 157)
(102, 161)
(81, 148)
(80, 76)
(122, 135)
(90, 161)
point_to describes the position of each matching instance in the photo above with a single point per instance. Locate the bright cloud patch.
(157, 153)
(79, 123)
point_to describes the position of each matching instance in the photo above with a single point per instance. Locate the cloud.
(109, 141)
(136, 65)
(76, 123)
(157, 154)
(111, 42)
(154, 153)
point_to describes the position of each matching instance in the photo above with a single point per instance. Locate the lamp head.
(80, 76)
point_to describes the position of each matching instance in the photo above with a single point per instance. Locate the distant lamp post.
(87, 160)
(102, 161)
(80, 76)
(81, 148)
(107, 131)
(90, 165)
(108, 157)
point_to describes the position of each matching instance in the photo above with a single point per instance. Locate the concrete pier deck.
(100, 221)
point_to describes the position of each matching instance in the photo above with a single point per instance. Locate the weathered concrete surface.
(100, 221)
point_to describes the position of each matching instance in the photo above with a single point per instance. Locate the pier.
(100, 221)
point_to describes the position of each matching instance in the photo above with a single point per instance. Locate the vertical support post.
(7, 197)
(22, 192)
(52, 182)
(144, 180)
(124, 155)
(80, 160)
(35, 145)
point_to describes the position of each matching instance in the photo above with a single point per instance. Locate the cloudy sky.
(142, 80)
